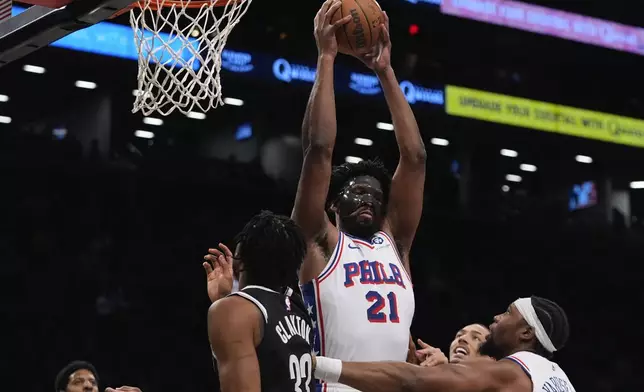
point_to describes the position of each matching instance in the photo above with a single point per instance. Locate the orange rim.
(156, 4)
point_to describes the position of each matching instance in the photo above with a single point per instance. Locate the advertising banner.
(543, 116)
(549, 21)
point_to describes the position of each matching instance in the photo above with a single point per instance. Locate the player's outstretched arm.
(234, 330)
(407, 187)
(404, 377)
(319, 130)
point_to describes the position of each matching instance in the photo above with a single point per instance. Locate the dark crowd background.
(103, 233)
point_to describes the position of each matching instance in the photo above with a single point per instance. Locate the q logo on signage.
(364, 84)
(287, 72)
(415, 94)
(236, 61)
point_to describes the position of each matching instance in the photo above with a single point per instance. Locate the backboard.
(47, 21)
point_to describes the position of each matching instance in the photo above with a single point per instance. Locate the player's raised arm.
(407, 186)
(234, 329)
(404, 377)
(319, 130)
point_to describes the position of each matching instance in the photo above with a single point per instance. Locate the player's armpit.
(234, 329)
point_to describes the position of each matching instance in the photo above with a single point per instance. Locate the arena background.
(104, 231)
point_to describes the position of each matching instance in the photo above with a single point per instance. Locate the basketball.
(361, 33)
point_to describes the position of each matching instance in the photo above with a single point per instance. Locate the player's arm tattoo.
(407, 187)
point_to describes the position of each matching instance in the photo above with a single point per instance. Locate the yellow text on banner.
(543, 116)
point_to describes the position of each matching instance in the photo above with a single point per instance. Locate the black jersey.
(284, 354)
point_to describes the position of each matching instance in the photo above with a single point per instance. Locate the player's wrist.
(386, 73)
(328, 369)
(326, 57)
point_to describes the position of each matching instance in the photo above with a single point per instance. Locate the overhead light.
(195, 33)
(513, 178)
(33, 69)
(136, 92)
(583, 159)
(439, 142)
(85, 84)
(4, 98)
(527, 167)
(385, 126)
(637, 185)
(505, 188)
(59, 133)
(509, 153)
(233, 101)
(5, 120)
(363, 142)
(351, 159)
(152, 121)
(144, 134)
(196, 115)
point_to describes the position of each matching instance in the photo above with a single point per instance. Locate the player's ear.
(526, 333)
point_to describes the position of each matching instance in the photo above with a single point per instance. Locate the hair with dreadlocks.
(345, 172)
(554, 321)
(271, 249)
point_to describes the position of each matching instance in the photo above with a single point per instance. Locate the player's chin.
(457, 358)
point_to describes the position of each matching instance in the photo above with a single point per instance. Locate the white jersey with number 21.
(362, 303)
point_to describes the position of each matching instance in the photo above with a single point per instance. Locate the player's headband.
(524, 306)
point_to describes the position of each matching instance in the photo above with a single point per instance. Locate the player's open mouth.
(461, 350)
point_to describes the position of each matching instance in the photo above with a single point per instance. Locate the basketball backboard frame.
(39, 26)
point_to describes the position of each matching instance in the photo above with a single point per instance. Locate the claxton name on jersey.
(293, 326)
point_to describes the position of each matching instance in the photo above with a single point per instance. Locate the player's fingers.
(331, 11)
(223, 263)
(210, 258)
(110, 390)
(425, 351)
(341, 22)
(208, 268)
(384, 34)
(215, 252)
(227, 252)
(423, 344)
(325, 7)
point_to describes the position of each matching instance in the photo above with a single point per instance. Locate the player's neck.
(523, 348)
(245, 282)
(362, 236)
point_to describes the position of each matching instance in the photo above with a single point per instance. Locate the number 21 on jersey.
(376, 312)
(300, 369)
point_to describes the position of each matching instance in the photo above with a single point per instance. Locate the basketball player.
(355, 278)
(522, 339)
(466, 345)
(260, 335)
(77, 376)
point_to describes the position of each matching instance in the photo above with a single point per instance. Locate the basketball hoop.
(180, 44)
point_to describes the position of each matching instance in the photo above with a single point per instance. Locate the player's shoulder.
(232, 311)
(513, 373)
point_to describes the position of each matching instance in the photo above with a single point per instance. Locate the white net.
(180, 45)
